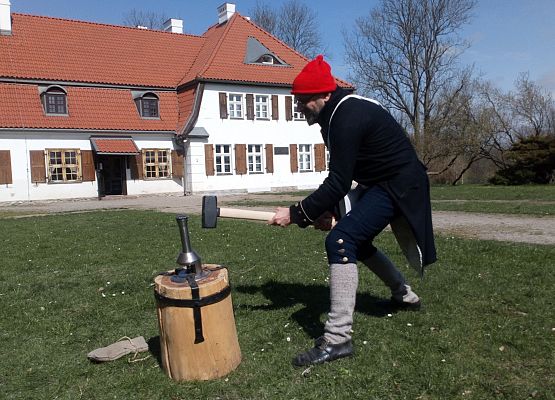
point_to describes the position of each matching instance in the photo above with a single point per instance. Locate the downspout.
(181, 138)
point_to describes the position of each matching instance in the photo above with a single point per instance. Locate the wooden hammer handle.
(245, 214)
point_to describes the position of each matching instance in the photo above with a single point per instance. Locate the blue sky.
(507, 36)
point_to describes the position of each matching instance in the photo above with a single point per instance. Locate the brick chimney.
(5, 17)
(225, 12)
(174, 25)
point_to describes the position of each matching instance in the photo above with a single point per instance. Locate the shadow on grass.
(314, 298)
(154, 349)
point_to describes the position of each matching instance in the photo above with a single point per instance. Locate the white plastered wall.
(279, 133)
(22, 189)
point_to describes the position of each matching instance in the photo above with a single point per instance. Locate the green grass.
(15, 214)
(491, 192)
(538, 200)
(486, 331)
(496, 207)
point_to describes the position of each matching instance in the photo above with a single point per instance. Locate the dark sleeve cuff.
(297, 216)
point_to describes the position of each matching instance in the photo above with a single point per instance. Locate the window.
(257, 53)
(298, 115)
(305, 157)
(267, 59)
(156, 163)
(261, 106)
(223, 159)
(54, 101)
(254, 158)
(235, 105)
(64, 165)
(147, 105)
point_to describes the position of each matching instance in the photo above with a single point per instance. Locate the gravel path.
(513, 228)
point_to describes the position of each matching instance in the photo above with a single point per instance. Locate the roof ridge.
(219, 43)
(287, 46)
(105, 24)
(281, 42)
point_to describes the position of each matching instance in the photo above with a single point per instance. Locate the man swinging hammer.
(369, 147)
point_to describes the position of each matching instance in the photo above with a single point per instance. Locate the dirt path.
(514, 228)
(511, 228)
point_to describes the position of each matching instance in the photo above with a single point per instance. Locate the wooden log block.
(184, 357)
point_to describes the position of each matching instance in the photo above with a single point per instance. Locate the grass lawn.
(72, 283)
(538, 200)
(526, 199)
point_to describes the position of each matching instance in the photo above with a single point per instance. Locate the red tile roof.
(223, 53)
(120, 58)
(74, 51)
(114, 145)
(88, 108)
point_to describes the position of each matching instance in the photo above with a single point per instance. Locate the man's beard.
(311, 117)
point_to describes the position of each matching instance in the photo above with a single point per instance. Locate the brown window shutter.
(289, 108)
(177, 164)
(87, 166)
(136, 166)
(320, 157)
(250, 106)
(223, 105)
(38, 169)
(209, 160)
(275, 108)
(269, 148)
(241, 159)
(293, 158)
(5, 167)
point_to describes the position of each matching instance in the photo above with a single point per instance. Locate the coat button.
(341, 251)
(340, 241)
(345, 259)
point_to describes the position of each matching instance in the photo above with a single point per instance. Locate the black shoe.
(397, 305)
(323, 351)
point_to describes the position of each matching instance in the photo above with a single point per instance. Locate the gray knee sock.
(343, 288)
(386, 271)
(391, 276)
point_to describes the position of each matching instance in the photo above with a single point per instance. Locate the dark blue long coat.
(368, 146)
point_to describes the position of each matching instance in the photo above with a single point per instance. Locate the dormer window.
(257, 53)
(54, 100)
(147, 105)
(267, 59)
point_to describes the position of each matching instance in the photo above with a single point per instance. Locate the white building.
(91, 109)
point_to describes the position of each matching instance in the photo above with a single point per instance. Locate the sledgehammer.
(211, 212)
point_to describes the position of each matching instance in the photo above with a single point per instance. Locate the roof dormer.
(53, 99)
(257, 53)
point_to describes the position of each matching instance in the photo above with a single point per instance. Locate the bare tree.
(405, 53)
(532, 107)
(295, 24)
(149, 19)
(265, 17)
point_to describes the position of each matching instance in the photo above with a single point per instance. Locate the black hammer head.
(209, 211)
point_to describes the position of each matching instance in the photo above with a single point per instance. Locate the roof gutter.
(92, 130)
(251, 83)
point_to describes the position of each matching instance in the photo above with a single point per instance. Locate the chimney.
(225, 12)
(174, 25)
(5, 18)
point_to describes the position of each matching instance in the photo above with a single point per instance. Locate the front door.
(112, 171)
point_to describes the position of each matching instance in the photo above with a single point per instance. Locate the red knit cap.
(315, 78)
